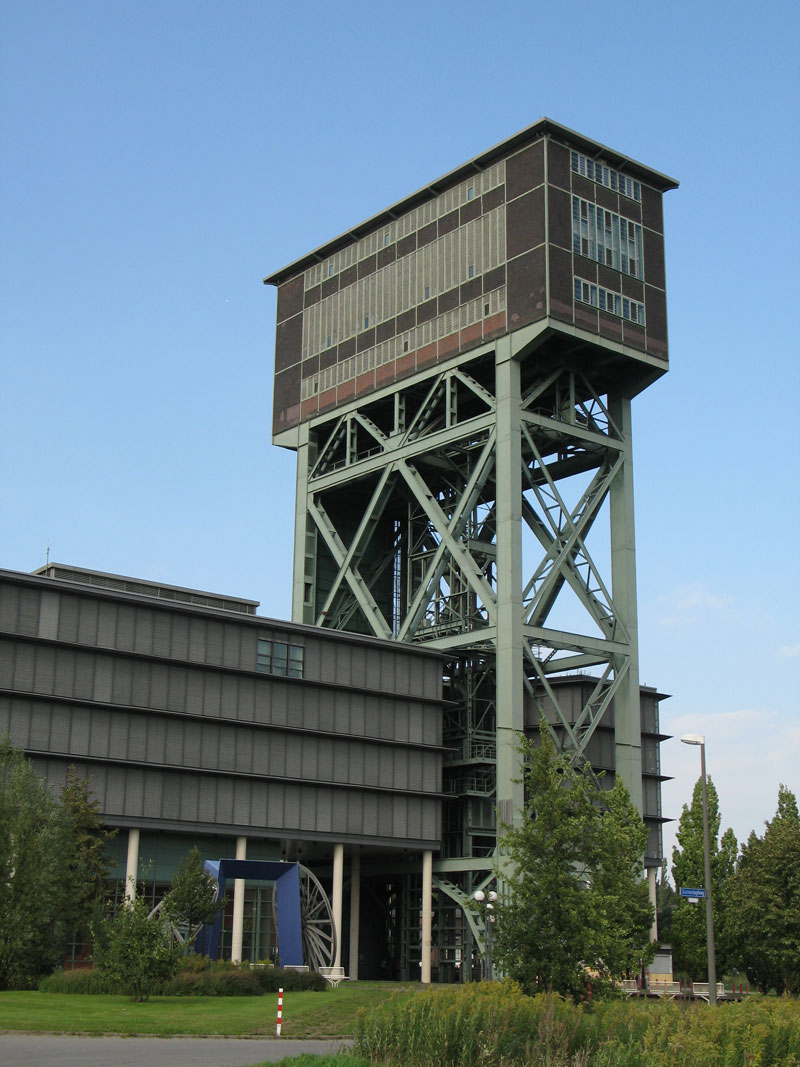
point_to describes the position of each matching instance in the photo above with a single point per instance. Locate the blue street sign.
(696, 894)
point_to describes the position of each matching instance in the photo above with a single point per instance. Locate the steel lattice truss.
(402, 506)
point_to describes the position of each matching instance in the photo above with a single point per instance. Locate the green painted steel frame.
(453, 444)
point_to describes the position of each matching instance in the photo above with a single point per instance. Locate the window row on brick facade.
(606, 300)
(451, 322)
(604, 175)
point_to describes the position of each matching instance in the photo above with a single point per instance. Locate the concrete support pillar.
(651, 886)
(427, 915)
(238, 905)
(132, 866)
(336, 902)
(355, 908)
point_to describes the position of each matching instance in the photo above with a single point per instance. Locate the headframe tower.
(456, 376)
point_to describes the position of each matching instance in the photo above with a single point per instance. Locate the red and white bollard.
(280, 1013)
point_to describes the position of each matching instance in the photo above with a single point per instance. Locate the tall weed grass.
(496, 1025)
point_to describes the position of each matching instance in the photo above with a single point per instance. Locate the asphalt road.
(35, 1050)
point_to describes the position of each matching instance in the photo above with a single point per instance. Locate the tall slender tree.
(688, 920)
(764, 901)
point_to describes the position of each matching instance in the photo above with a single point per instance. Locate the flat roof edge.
(539, 128)
(44, 572)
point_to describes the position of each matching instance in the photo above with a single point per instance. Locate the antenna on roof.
(47, 554)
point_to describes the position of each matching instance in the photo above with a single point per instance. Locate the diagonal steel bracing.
(358, 586)
(564, 543)
(455, 526)
(431, 503)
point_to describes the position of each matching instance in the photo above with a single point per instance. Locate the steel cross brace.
(565, 547)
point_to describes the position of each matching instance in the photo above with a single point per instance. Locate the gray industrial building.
(202, 723)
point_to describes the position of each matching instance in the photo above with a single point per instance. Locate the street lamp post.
(699, 739)
(489, 918)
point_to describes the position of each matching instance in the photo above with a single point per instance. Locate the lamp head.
(693, 739)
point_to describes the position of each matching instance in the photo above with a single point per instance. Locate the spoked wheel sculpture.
(316, 922)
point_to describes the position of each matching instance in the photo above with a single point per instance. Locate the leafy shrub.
(136, 950)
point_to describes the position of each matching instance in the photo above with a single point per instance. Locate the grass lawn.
(328, 1014)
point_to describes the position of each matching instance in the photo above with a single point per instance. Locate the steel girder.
(437, 457)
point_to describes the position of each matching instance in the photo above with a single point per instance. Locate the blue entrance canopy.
(286, 877)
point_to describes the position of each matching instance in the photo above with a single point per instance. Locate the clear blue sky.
(160, 158)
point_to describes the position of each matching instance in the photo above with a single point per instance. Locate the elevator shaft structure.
(456, 377)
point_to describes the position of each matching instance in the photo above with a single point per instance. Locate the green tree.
(136, 950)
(89, 863)
(35, 839)
(192, 901)
(688, 921)
(574, 897)
(764, 901)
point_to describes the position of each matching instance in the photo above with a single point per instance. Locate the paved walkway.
(34, 1050)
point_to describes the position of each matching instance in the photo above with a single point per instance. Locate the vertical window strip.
(443, 326)
(606, 237)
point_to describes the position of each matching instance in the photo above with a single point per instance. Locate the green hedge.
(199, 977)
(494, 1024)
(82, 980)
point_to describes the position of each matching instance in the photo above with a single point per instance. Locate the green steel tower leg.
(627, 725)
(509, 640)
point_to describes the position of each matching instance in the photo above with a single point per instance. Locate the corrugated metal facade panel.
(134, 683)
(48, 619)
(119, 735)
(9, 608)
(134, 791)
(197, 640)
(179, 645)
(79, 735)
(65, 673)
(100, 734)
(84, 676)
(68, 618)
(153, 806)
(137, 737)
(59, 729)
(143, 637)
(87, 622)
(106, 625)
(126, 627)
